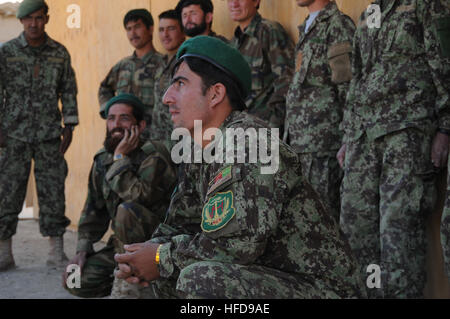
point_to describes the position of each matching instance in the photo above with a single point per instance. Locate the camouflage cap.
(29, 6)
(221, 55)
(125, 98)
(144, 14)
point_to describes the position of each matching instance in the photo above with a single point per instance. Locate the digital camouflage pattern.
(132, 75)
(397, 98)
(146, 177)
(292, 250)
(317, 92)
(32, 80)
(316, 99)
(445, 225)
(162, 125)
(398, 80)
(269, 51)
(133, 193)
(50, 171)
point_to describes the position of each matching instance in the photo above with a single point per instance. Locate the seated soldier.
(244, 234)
(130, 185)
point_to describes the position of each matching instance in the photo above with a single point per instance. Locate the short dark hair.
(206, 5)
(45, 7)
(211, 75)
(135, 15)
(173, 15)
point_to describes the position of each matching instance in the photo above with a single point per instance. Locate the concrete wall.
(101, 42)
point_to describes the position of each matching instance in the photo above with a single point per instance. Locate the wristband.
(118, 157)
(157, 254)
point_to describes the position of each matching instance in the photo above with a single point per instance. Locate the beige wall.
(101, 42)
(10, 28)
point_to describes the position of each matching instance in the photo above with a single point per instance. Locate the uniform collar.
(330, 9)
(146, 57)
(47, 42)
(250, 30)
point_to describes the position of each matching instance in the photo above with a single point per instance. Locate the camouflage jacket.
(132, 75)
(234, 214)
(317, 93)
(147, 176)
(269, 51)
(218, 36)
(162, 126)
(398, 79)
(32, 81)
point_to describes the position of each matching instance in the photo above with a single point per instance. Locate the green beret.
(221, 55)
(125, 98)
(29, 6)
(135, 14)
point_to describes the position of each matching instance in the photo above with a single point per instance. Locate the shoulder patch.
(218, 211)
(224, 176)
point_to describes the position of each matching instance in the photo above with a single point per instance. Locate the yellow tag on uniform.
(218, 211)
(298, 61)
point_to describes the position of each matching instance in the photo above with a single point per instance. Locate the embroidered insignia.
(298, 61)
(406, 8)
(224, 176)
(218, 211)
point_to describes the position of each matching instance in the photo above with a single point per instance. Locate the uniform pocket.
(339, 61)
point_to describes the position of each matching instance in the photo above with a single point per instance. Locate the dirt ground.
(32, 279)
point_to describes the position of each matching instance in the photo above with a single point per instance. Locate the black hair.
(135, 15)
(173, 15)
(206, 5)
(211, 75)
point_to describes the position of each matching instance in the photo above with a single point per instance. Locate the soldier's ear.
(216, 94)
(47, 18)
(208, 18)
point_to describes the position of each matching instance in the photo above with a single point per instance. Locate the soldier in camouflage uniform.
(35, 72)
(316, 96)
(135, 74)
(197, 18)
(231, 231)
(396, 124)
(269, 51)
(171, 36)
(130, 185)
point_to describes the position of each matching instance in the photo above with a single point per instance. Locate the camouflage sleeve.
(94, 220)
(2, 64)
(340, 38)
(429, 11)
(281, 57)
(143, 186)
(108, 88)
(68, 93)
(248, 216)
(356, 61)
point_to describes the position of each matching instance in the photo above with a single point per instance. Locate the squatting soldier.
(317, 93)
(171, 36)
(197, 18)
(269, 51)
(130, 185)
(35, 72)
(251, 235)
(135, 74)
(396, 122)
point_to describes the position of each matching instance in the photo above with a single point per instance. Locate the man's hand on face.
(80, 260)
(129, 142)
(138, 265)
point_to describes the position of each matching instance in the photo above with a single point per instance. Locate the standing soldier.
(135, 74)
(317, 93)
(269, 51)
(35, 72)
(396, 125)
(129, 184)
(197, 18)
(171, 36)
(245, 234)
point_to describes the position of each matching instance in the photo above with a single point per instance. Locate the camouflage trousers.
(133, 224)
(445, 225)
(324, 174)
(209, 280)
(387, 192)
(50, 170)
